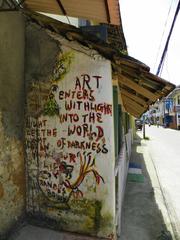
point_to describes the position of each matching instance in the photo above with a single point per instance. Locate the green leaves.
(51, 108)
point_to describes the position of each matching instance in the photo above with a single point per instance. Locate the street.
(164, 150)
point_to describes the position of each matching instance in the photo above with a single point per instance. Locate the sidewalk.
(145, 216)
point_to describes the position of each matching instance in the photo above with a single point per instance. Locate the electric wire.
(167, 41)
(68, 20)
(167, 70)
(165, 25)
(162, 66)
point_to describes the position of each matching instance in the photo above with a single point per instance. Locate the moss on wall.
(84, 216)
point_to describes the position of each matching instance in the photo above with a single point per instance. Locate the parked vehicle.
(138, 124)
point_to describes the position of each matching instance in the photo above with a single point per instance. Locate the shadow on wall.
(142, 218)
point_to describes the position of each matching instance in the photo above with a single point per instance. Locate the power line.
(168, 38)
(63, 10)
(167, 70)
(165, 25)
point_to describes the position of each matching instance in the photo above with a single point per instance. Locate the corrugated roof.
(139, 88)
(103, 11)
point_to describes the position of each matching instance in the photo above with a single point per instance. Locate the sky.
(146, 24)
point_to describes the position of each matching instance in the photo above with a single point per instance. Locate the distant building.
(174, 98)
(167, 110)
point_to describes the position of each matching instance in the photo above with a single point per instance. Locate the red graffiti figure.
(56, 179)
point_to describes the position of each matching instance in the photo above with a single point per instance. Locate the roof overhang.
(138, 87)
(103, 11)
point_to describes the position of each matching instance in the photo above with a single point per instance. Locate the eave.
(138, 87)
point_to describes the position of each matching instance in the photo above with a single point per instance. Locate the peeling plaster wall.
(69, 135)
(12, 176)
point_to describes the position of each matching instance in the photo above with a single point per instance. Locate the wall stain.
(1, 191)
(41, 95)
(62, 66)
(18, 179)
(97, 219)
(12, 180)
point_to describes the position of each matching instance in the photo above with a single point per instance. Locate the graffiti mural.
(69, 136)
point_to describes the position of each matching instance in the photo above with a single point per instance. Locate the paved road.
(164, 149)
(145, 216)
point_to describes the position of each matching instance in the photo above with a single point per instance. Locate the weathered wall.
(69, 136)
(12, 177)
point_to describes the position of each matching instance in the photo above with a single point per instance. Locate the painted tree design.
(87, 166)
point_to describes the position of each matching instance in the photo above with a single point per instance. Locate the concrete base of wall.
(30, 232)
